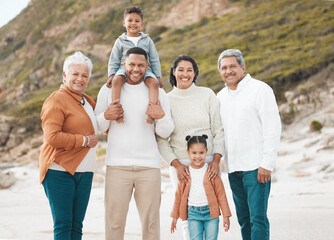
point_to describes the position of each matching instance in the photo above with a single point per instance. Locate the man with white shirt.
(252, 129)
(133, 159)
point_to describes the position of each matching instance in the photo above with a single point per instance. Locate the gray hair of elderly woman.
(232, 53)
(75, 59)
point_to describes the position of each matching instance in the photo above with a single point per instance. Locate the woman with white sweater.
(195, 111)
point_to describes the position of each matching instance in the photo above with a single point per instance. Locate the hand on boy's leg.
(155, 111)
(109, 82)
(226, 222)
(114, 111)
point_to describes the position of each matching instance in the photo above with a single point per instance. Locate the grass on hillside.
(283, 42)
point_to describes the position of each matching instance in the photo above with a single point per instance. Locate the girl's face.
(184, 74)
(197, 154)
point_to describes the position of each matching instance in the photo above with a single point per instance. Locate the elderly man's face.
(77, 78)
(135, 66)
(231, 72)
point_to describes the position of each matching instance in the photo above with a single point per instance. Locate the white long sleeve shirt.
(133, 143)
(251, 124)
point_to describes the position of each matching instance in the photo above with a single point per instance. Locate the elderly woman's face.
(184, 74)
(77, 78)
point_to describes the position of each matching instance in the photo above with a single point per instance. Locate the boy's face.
(133, 23)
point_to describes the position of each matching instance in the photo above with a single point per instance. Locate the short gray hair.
(75, 59)
(232, 53)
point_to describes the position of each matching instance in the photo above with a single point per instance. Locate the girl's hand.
(226, 222)
(173, 225)
(182, 171)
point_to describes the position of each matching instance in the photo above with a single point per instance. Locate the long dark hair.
(172, 79)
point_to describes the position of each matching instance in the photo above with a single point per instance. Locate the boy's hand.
(226, 222)
(109, 82)
(173, 225)
(160, 84)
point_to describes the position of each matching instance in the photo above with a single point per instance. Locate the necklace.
(82, 101)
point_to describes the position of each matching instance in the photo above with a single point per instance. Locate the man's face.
(231, 72)
(135, 66)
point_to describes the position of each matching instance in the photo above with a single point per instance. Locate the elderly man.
(133, 159)
(252, 129)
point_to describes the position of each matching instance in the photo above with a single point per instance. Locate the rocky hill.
(285, 43)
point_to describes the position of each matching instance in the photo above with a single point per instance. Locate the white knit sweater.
(195, 111)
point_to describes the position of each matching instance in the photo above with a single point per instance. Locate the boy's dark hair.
(136, 50)
(133, 9)
(172, 79)
(196, 139)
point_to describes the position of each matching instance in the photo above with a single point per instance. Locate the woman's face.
(184, 74)
(77, 78)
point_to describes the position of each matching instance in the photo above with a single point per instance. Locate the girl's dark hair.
(172, 79)
(133, 9)
(196, 139)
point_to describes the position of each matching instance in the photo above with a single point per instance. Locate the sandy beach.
(299, 208)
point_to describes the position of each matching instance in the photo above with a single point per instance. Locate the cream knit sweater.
(195, 111)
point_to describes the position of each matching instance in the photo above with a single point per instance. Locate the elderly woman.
(68, 153)
(195, 111)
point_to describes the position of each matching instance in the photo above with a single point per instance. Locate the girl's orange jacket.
(215, 193)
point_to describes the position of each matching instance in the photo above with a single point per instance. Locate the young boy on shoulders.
(133, 22)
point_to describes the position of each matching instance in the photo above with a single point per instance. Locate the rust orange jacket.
(215, 193)
(64, 123)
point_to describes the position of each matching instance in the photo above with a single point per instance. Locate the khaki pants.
(120, 183)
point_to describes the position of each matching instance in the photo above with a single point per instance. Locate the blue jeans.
(199, 221)
(251, 203)
(68, 197)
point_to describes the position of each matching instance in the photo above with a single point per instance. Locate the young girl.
(199, 200)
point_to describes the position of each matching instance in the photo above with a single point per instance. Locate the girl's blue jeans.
(68, 197)
(251, 203)
(199, 222)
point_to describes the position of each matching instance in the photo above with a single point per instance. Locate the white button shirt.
(251, 124)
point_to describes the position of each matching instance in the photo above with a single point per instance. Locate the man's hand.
(173, 225)
(155, 111)
(109, 82)
(182, 171)
(213, 166)
(263, 175)
(114, 111)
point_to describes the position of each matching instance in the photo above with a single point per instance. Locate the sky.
(9, 9)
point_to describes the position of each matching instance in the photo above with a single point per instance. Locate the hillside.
(284, 42)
